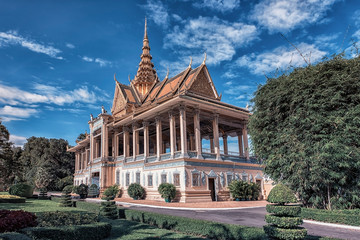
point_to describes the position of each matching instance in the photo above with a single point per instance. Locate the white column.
(197, 131)
(216, 136)
(184, 152)
(135, 137)
(126, 142)
(116, 143)
(240, 142)
(158, 137)
(172, 133)
(146, 139)
(105, 141)
(246, 144)
(92, 145)
(225, 144)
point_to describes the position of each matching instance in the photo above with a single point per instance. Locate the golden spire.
(146, 74)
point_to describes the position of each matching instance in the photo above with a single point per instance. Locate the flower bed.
(11, 199)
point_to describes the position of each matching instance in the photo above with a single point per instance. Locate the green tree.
(9, 166)
(81, 137)
(49, 154)
(306, 128)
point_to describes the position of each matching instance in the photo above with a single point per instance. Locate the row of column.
(215, 144)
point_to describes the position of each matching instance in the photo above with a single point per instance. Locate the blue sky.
(58, 58)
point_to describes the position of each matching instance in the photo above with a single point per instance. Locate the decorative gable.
(203, 85)
(119, 102)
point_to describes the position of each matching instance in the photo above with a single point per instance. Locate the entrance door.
(212, 188)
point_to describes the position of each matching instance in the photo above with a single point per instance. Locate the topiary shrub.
(66, 197)
(43, 194)
(136, 191)
(21, 190)
(14, 220)
(255, 191)
(82, 190)
(167, 191)
(284, 220)
(111, 192)
(108, 209)
(93, 190)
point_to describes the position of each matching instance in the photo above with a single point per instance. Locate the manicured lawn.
(120, 228)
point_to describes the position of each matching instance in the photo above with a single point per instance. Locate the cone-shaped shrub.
(284, 220)
(108, 209)
(66, 197)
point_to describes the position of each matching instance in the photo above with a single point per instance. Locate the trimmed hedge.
(284, 233)
(21, 190)
(58, 219)
(348, 217)
(13, 236)
(287, 210)
(281, 194)
(284, 222)
(94, 231)
(208, 229)
(13, 200)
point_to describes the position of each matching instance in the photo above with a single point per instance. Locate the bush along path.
(284, 219)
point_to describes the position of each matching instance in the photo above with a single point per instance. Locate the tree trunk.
(329, 199)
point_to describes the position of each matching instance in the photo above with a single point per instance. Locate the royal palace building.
(157, 132)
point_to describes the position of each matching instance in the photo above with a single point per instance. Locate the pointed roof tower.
(146, 75)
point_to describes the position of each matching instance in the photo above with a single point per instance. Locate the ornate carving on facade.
(202, 85)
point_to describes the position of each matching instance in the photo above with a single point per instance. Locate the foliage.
(12, 199)
(347, 217)
(136, 191)
(283, 222)
(167, 191)
(65, 199)
(281, 210)
(68, 189)
(306, 127)
(82, 190)
(204, 228)
(81, 137)
(22, 190)
(42, 178)
(13, 236)
(111, 192)
(281, 194)
(43, 194)
(285, 233)
(14, 220)
(108, 209)
(95, 231)
(69, 180)
(49, 154)
(93, 191)
(10, 167)
(244, 190)
(60, 218)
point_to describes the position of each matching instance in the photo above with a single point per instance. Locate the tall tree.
(8, 168)
(306, 128)
(50, 155)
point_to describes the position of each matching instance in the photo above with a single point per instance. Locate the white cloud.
(69, 45)
(356, 18)
(12, 38)
(100, 61)
(218, 38)
(284, 15)
(356, 35)
(234, 89)
(18, 141)
(10, 111)
(218, 5)
(157, 12)
(280, 58)
(46, 94)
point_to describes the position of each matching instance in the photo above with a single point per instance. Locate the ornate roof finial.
(145, 32)
(115, 77)
(204, 59)
(129, 78)
(167, 74)
(190, 62)
(247, 106)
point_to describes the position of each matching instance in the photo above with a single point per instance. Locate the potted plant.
(136, 191)
(167, 191)
(82, 190)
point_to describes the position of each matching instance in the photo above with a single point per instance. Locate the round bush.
(238, 189)
(21, 190)
(167, 191)
(82, 190)
(281, 194)
(68, 189)
(284, 233)
(281, 210)
(136, 191)
(283, 222)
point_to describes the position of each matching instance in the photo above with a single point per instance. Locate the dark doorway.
(212, 188)
(258, 182)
